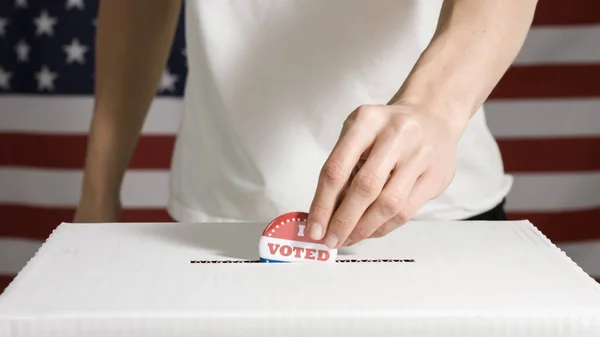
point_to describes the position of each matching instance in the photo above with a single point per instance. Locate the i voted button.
(286, 240)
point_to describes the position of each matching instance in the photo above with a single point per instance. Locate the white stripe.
(14, 254)
(62, 187)
(556, 45)
(543, 118)
(554, 192)
(531, 192)
(586, 255)
(506, 118)
(71, 114)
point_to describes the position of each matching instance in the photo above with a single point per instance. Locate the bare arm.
(413, 140)
(473, 46)
(133, 41)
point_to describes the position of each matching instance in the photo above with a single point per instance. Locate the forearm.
(133, 41)
(473, 46)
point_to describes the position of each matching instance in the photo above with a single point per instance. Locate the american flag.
(545, 113)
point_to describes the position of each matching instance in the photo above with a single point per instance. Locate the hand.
(388, 161)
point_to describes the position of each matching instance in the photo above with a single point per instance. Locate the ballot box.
(442, 279)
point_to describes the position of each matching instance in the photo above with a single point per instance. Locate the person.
(366, 114)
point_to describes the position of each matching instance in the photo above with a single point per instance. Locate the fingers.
(363, 189)
(365, 155)
(392, 200)
(419, 195)
(342, 194)
(335, 174)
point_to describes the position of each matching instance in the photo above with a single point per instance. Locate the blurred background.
(545, 113)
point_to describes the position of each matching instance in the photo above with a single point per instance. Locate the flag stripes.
(556, 12)
(549, 81)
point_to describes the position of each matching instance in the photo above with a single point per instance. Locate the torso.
(269, 86)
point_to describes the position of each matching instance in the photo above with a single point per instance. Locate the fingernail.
(347, 242)
(316, 231)
(331, 241)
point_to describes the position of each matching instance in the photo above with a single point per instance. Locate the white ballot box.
(426, 279)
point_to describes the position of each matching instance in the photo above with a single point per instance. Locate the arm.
(133, 41)
(473, 46)
(409, 145)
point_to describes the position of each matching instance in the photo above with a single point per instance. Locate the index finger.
(334, 175)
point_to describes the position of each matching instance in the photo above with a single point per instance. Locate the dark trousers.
(497, 213)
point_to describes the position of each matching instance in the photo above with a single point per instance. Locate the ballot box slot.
(337, 261)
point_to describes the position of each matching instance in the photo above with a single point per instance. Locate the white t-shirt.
(270, 84)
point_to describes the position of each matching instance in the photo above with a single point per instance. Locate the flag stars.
(75, 52)
(45, 79)
(167, 82)
(75, 4)
(4, 79)
(44, 24)
(22, 49)
(21, 4)
(3, 24)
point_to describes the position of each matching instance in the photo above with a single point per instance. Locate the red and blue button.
(286, 240)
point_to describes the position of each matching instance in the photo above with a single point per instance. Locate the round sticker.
(286, 240)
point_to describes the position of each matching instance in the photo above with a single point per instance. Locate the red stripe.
(5, 281)
(549, 81)
(571, 226)
(572, 12)
(68, 151)
(38, 222)
(550, 155)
